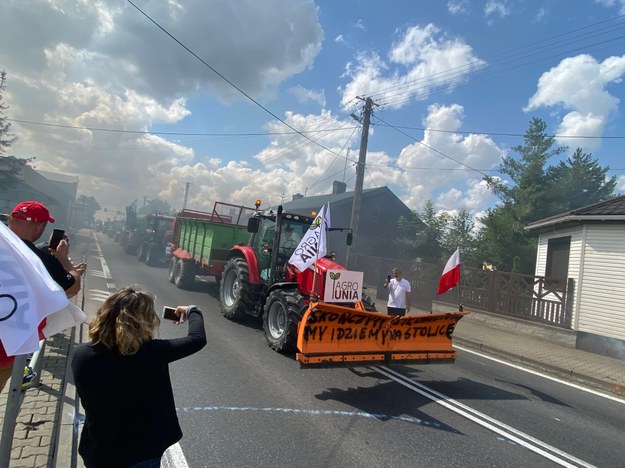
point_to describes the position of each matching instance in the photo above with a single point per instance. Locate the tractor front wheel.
(141, 254)
(152, 257)
(283, 311)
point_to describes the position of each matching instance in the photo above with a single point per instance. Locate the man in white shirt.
(398, 293)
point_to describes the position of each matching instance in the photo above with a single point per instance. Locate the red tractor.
(258, 280)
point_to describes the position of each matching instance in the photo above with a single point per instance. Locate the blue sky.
(139, 100)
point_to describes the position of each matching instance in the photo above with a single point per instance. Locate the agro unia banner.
(313, 245)
(28, 294)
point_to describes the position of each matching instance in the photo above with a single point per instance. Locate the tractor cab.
(275, 235)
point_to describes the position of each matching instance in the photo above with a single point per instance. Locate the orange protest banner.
(330, 335)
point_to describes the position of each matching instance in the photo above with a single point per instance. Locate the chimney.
(338, 187)
(297, 196)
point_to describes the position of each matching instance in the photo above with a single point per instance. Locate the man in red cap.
(28, 220)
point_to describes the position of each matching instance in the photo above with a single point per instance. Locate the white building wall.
(601, 306)
(574, 272)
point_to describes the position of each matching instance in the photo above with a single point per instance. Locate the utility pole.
(360, 177)
(186, 194)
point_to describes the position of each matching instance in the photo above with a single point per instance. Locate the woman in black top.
(122, 378)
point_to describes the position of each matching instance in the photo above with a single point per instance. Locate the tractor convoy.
(319, 312)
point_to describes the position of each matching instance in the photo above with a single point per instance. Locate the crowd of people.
(122, 356)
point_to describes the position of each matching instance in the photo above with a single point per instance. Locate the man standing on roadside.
(398, 293)
(28, 220)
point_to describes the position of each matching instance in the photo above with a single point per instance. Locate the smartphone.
(169, 313)
(56, 238)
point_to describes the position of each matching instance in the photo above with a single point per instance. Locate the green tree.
(536, 191)
(155, 205)
(89, 207)
(461, 233)
(6, 138)
(529, 186)
(579, 181)
(502, 239)
(526, 197)
(422, 234)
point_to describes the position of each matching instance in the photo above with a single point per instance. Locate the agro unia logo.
(343, 290)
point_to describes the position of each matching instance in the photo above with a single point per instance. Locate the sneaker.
(29, 377)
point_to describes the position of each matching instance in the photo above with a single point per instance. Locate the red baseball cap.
(32, 211)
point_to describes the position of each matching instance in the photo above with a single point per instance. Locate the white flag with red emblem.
(451, 273)
(28, 295)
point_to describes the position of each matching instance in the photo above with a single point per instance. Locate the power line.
(502, 134)
(258, 104)
(435, 150)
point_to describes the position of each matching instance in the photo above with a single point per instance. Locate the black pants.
(395, 311)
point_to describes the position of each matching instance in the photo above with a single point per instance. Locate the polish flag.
(451, 273)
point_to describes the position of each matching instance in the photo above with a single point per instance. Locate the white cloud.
(103, 65)
(458, 7)
(431, 175)
(588, 106)
(423, 56)
(308, 95)
(497, 7)
(360, 24)
(611, 3)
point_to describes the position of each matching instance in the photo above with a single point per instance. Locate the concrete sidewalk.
(45, 433)
(543, 347)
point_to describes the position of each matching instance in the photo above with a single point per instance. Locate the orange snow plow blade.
(330, 335)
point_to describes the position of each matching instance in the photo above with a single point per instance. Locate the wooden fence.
(535, 298)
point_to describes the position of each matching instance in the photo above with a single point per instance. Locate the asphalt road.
(241, 404)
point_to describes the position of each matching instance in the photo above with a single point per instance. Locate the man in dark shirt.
(28, 220)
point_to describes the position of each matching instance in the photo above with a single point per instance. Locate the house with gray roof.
(20, 182)
(588, 245)
(380, 210)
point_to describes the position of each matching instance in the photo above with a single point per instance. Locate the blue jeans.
(151, 463)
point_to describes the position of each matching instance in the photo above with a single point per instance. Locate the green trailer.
(201, 241)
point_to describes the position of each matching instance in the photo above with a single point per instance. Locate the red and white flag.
(451, 273)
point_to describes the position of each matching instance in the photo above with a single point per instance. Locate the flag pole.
(460, 306)
(314, 282)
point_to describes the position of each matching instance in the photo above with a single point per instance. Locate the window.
(558, 250)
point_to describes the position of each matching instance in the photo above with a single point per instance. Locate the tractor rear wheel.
(184, 274)
(171, 275)
(283, 311)
(235, 290)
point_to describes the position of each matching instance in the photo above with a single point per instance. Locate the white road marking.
(100, 296)
(106, 273)
(310, 412)
(174, 458)
(545, 376)
(525, 440)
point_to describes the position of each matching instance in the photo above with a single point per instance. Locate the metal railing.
(16, 397)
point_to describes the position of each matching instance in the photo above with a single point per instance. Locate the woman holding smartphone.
(122, 378)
